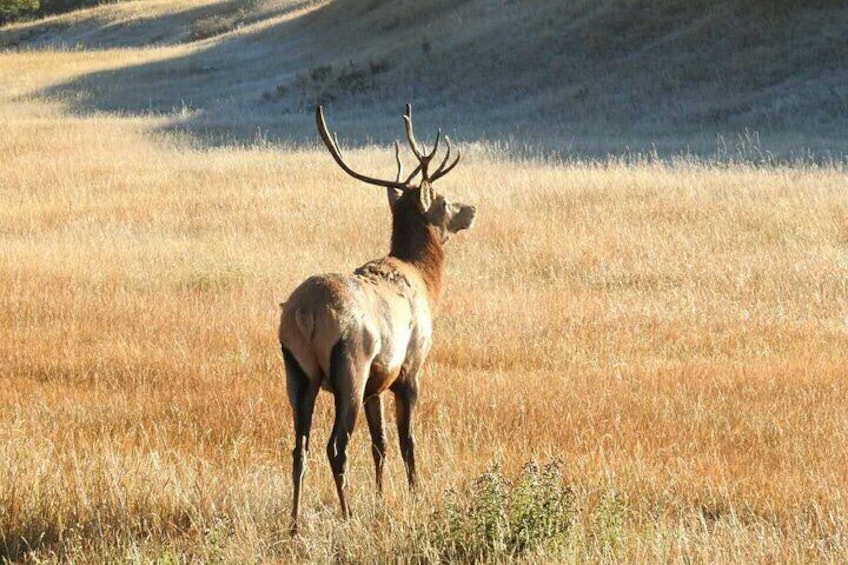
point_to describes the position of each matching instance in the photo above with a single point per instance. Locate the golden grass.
(676, 334)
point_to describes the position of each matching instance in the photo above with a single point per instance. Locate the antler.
(333, 146)
(332, 143)
(423, 158)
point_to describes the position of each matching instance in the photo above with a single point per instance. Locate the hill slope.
(582, 76)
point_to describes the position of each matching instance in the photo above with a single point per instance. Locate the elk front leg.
(374, 415)
(406, 395)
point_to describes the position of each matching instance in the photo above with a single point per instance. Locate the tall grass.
(673, 334)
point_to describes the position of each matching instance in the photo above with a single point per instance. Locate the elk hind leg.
(346, 375)
(302, 394)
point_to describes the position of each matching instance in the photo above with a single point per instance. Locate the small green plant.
(498, 517)
(609, 522)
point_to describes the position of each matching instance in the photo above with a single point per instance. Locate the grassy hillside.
(581, 77)
(674, 334)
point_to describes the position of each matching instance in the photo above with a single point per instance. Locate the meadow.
(638, 360)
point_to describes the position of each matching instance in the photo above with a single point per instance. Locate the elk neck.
(418, 244)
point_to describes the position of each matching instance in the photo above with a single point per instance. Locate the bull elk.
(361, 334)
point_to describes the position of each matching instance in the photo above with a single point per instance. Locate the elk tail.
(305, 323)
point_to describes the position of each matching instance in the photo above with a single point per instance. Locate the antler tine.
(410, 135)
(440, 173)
(435, 145)
(336, 143)
(445, 160)
(333, 147)
(397, 159)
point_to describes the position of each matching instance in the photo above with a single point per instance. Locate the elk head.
(412, 202)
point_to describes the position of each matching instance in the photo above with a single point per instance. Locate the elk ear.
(425, 197)
(393, 194)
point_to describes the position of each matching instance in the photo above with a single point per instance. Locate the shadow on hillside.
(591, 94)
(253, 85)
(181, 26)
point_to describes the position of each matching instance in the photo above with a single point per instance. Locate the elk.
(361, 334)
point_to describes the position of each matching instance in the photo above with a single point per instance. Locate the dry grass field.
(666, 340)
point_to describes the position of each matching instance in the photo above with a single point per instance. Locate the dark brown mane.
(418, 244)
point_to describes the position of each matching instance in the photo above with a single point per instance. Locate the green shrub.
(499, 518)
(14, 10)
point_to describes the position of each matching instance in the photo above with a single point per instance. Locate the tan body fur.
(383, 306)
